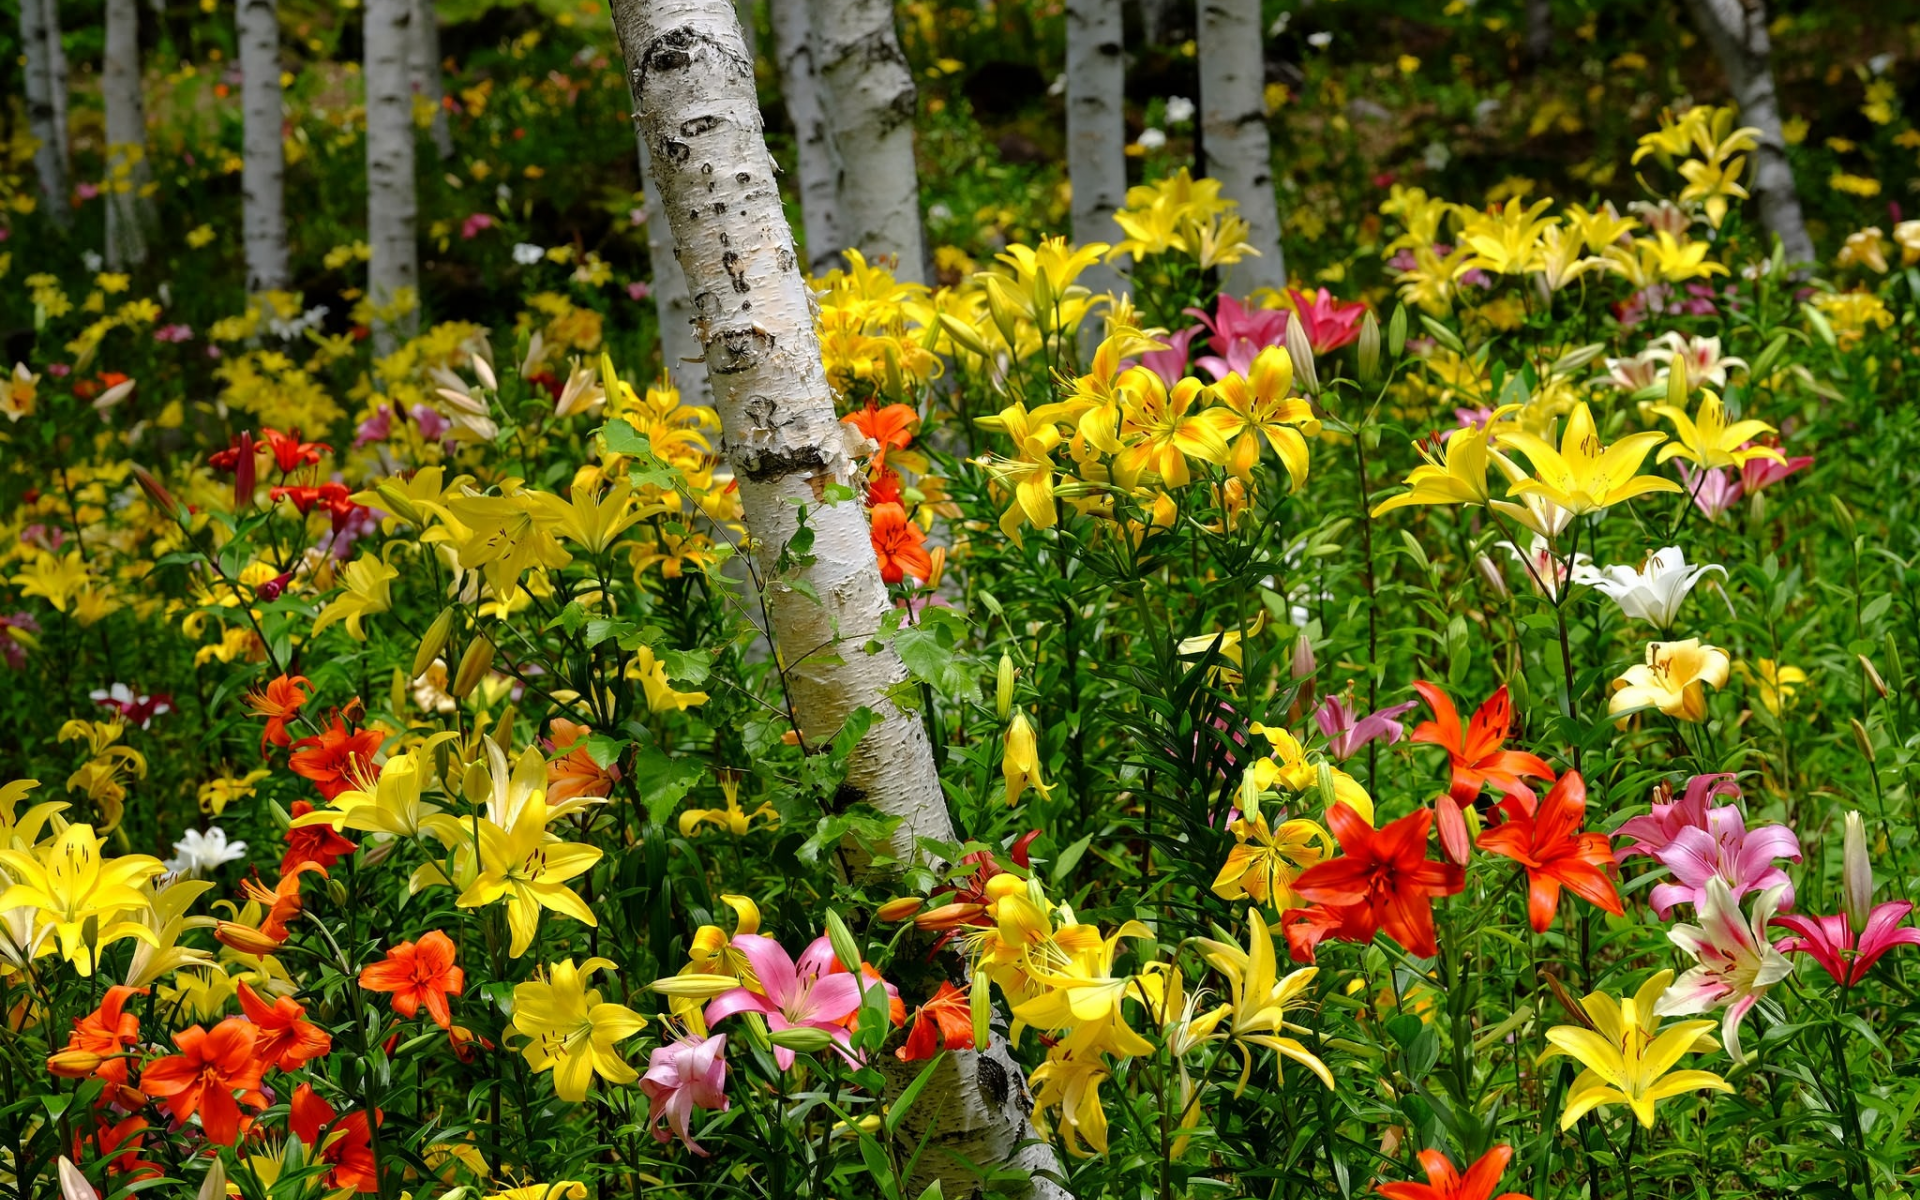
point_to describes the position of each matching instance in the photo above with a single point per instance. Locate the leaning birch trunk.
(1096, 130)
(699, 117)
(680, 350)
(264, 161)
(49, 162)
(127, 174)
(1737, 31)
(867, 91)
(800, 89)
(1233, 132)
(393, 272)
(425, 53)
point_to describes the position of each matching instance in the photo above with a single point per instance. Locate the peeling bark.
(1737, 31)
(818, 164)
(1096, 131)
(264, 162)
(129, 211)
(1233, 129)
(700, 121)
(393, 272)
(39, 38)
(870, 101)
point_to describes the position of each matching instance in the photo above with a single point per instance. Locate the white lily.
(1651, 592)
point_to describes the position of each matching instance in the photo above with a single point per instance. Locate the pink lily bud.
(1856, 873)
(1455, 842)
(1304, 664)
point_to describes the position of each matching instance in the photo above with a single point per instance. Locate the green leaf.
(605, 749)
(648, 469)
(664, 781)
(897, 1111)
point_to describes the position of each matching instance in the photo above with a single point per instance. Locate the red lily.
(278, 702)
(203, 1077)
(942, 1023)
(346, 1142)
(1478, 759)
(287, 1040)
(238, 458)
(891, 426)
(1386, 878)
(321, 845)
(1444, 1182)
(898, 543)
(337, 759)
(1843, 952)
(1549, 843)
(289, 452)
(107, 1031)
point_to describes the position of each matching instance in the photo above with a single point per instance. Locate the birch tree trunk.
(1096, 131)
(1233, 131)
(393, 273)
(700, 120)
(1737, 31)
(681, 353)
(1539, 30)
(425, 53)
(128, 209)
(818, 168)
(867, 91)
(43, 117)
(57, 71)
(264, 163)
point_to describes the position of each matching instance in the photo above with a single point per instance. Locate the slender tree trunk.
(819, 168)
(1539, 30)
(128, 209)
(867, 90)
(700, 120)
(43, 116)
(393, 273)
(681, 353)
(1737, 31)
(264, 163)
(58, 76)
(1233, 130)
(425, 53)
(1096, 130)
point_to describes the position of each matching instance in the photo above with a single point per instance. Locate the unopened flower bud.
(1305, 376)
(1003, 687)
(1862, 739)
(74, 1064)
(400, 505)
(474, 665)
(900, 908)
(1304, 664)
(1366, 351)
(845, 948)
(282, 820)
(804, 1038)
(434, 642)
(1397, 331)
(245, 938)
(1856, 874)
(1873, 676)
(157, 493)
(336, 892)
(1677, 382)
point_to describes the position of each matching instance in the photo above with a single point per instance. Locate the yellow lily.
(1706, 438)
(1162, 431)
(1776, 683)
(1289, 767)
(1265, 862)
(1256, 405)
(1070, 1081)
(1628, 1056)
(713, 966)
(1020, 761)
(393, 805)
(166, 915)
(73, 885)
(593, 521)
(732, 818)
(1261, 1000)
(1084, 996)
(1672, 680)
(507, 535)
(1455, 472)
(369, 584)
(1584, 475)
(571, 1030)
(529, 872)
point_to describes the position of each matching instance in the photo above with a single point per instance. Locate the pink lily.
(685, 1075)
(1698, 843)
(1239, 334)
(1737, 963)
(1329, 323)
(1171, 364)
(1347, 732)
(804, 997)
(1831, 940)
(1713, 491)
(1757, 473)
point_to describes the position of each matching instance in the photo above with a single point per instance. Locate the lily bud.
(1003, 687)
(214, 1186)
(804, 1038)
(245, 938)
(73, 1183)
(1454, 840)
(900, 908)
(433, 643)
(1856, 875)
(484, 370)
(1873, 676)
(1397, 331)
(1862, 739)
(474, 665)
(1304, 664)
(399, 504)
(336, 892)
(845, 948)
(157, 493)
(938, 557)
(1677, 382)
(1366, 351)
(282, 820)
(1305, 376)
(475, 783)
(74, 1064)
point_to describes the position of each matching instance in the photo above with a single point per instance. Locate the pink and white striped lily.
(1737, 962)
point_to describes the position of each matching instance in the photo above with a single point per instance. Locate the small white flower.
(1321, 40)
(1879, 63)
(1651, 593)
(92, 261)
(1059, 85)
(938, 211)
(198, 852)
(1152, 139)
(1280, 24)
(1179, 110)
(1436, 156)
(527, 254)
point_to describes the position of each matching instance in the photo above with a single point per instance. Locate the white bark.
(1233, 133)
(1539, 30)
(1096, 130)
(393, 273)
(424, 51)
(749, 27)
(57, 71)
(264, 161)
(681, 353)
(43, 116)
(128, 211)
(1737, 31)
(700, 119)
(818, 165)
(867, 90)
